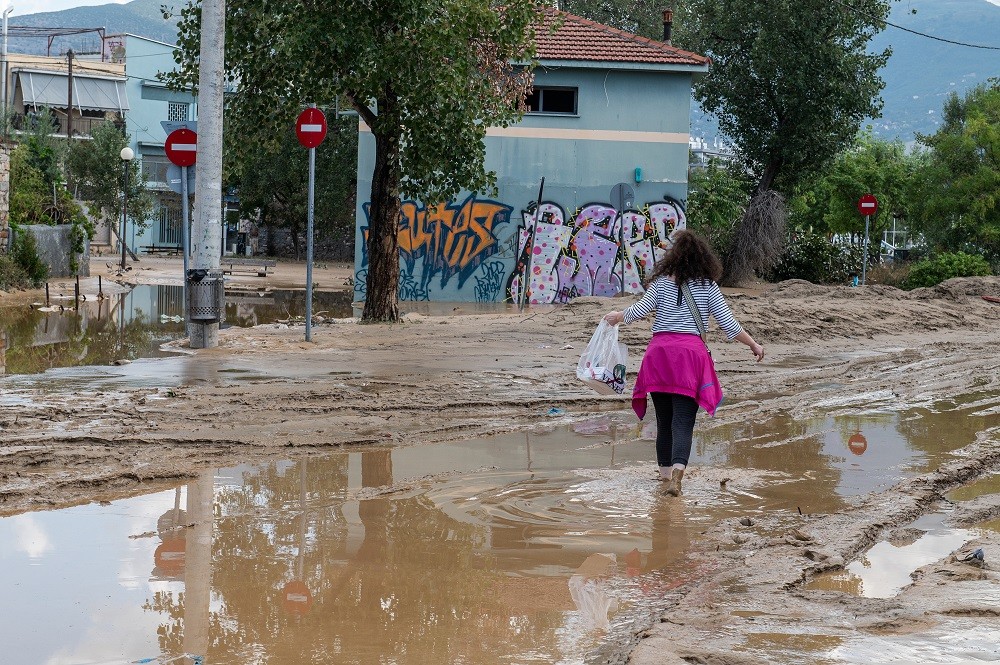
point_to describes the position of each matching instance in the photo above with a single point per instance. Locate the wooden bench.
(258, 266)
(169, 250)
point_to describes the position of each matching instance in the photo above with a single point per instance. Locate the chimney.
(668, 24)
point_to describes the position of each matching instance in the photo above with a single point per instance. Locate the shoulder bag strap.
(689, 297)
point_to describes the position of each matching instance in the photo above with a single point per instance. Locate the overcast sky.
(22, 7)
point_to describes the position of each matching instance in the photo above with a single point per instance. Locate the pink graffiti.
(591, 252)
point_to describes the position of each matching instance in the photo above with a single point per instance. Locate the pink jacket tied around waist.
(677, 363)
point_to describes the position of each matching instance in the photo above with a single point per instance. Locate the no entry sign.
(867, 205)
(310, 128)
(182, 147)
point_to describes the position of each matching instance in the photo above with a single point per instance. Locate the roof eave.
(625, 66)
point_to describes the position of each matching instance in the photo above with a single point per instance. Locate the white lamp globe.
(127, 154)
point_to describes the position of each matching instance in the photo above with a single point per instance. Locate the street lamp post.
(126, 155)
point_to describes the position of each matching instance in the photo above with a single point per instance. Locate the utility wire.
(916, 32)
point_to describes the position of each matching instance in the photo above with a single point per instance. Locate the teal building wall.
(631, 126)
(150, 105)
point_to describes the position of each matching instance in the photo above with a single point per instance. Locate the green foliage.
(641, 17)
(274, 182)
(427, 77)
(38, 194)
(827, 203)
(955, 193)
(930, 272)
(98, 171)
(791, 80)
(24, 252)
(44, 151)
(12, 275)
(717, 198)
(812, 257)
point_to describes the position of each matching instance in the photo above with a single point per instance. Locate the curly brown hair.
(690, 258)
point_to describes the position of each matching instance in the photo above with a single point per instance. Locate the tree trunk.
(758, 239)
(382, 283)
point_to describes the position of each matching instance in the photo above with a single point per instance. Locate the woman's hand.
(614, 318)
(757, 350)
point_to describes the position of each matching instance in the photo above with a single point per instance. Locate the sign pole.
(185, 243)
(310, 129)
(309, 242)
(864, 259)
(867, 206)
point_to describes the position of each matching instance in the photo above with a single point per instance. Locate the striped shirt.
(674, 316)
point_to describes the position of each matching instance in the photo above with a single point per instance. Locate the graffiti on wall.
(590, 252)
(443, 242)
(473, 245)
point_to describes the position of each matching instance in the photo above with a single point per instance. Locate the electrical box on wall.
(638, 174)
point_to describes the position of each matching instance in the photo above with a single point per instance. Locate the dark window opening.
(552, 100)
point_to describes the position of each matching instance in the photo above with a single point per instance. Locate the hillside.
(922, 72)
(140, 17)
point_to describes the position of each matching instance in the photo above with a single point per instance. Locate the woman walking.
(677, 369)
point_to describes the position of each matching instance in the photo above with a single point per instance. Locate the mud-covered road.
(266, 394)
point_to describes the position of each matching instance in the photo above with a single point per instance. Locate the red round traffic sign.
(181, 147)
(867, 205)
(296, 598)
(310, 128)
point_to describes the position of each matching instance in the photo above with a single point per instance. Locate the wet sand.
(265, 393)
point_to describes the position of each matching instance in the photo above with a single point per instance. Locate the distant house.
(152, 104)
(37, 83)
(608, 107)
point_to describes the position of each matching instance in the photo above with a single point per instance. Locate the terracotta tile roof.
(577, 38)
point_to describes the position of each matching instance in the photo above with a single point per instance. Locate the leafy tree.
(827, 202)
(956, 193)
(98, 174)
(791, 82)
(427, 77)
(274, 182)
(640, 17)
(717, 197)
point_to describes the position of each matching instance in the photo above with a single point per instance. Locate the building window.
(154, 168)
(177, 112)
(552, 100)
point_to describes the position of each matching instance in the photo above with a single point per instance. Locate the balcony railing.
(81, 126)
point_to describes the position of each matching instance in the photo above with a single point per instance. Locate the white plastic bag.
(604, 361)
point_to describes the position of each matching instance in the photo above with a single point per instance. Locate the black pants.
(675, 416)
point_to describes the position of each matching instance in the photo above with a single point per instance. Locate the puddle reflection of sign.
(169, 557)
(296, 598)
(857, 444)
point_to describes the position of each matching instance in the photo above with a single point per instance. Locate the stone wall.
(54, 248)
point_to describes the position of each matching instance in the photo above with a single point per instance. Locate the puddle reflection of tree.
(417, 586)
(785, 445)
(97, 334)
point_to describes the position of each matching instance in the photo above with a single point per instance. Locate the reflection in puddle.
(134, 325)
(885, 569)
(535, 547)
(431, 554)
(828, 461)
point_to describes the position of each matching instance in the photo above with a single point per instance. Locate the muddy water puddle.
(824, 463)
(528, 548)
(883, 570)
(548, 546)
(133, 325)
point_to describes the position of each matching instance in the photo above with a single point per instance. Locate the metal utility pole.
(69, 95)
(204, 279)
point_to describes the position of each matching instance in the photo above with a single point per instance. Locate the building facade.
(152, 104)
(608, 108)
